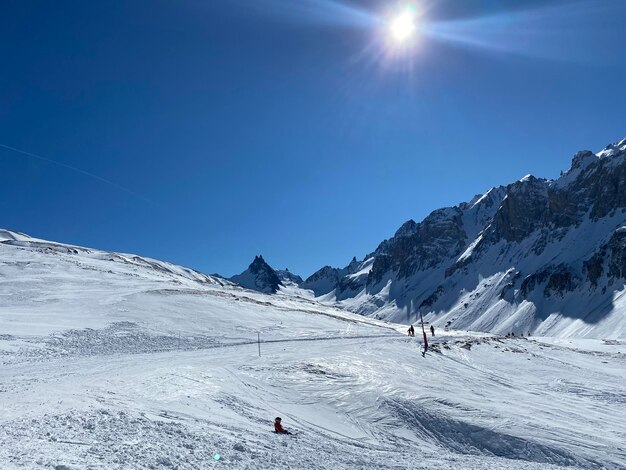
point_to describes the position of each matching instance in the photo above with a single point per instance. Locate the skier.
(432, 330)
(411, 330)
(278, 428)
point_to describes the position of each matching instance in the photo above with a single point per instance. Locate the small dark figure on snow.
(411, 331)
(432, 330)
(278, 428)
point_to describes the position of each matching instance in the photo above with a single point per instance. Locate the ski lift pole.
(424, 333)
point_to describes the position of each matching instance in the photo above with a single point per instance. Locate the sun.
(403, 27)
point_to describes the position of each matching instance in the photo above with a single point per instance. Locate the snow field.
(116, 364)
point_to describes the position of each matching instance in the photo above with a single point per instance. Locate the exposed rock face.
(561, 281)
(610, 258)
(522, 211)
(421, 246)
(259, 276)
(554, 280)
(505, 260)
(383, 264)
(617, 254)
(323, 280)
(329, 279)
(432, 298)
(424, 246)
(594, 267)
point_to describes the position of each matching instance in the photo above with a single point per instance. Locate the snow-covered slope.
(537, 256)
(112, 361)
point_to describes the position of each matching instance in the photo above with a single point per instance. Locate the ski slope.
(117, 361)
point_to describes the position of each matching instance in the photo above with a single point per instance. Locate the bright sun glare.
(403, 26)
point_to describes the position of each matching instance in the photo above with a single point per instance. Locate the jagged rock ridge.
(259, 276)
(534, 256)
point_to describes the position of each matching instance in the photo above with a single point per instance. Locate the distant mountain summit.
(259, 276)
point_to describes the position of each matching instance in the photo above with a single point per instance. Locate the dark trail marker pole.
(424, 333)
(259, 341)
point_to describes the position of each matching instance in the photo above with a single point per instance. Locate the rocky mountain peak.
(258, 265)
(406, 229)
(583, 159)
(259, 276)
(613, 149)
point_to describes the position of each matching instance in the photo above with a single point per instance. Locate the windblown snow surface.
(112, 361)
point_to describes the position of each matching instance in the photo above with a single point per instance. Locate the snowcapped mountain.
(261, 277)
(537, 256)
(119, 361)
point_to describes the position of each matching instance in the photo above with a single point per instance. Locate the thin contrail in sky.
(77, 170)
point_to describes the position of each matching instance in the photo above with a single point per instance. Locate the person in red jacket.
(278, 428)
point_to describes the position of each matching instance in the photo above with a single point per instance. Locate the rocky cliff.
(535, 256)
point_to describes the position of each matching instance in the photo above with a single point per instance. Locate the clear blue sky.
(284, 127)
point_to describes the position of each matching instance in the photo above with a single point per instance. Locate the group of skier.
(411, 330)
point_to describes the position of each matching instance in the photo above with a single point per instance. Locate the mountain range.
(537, 256)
